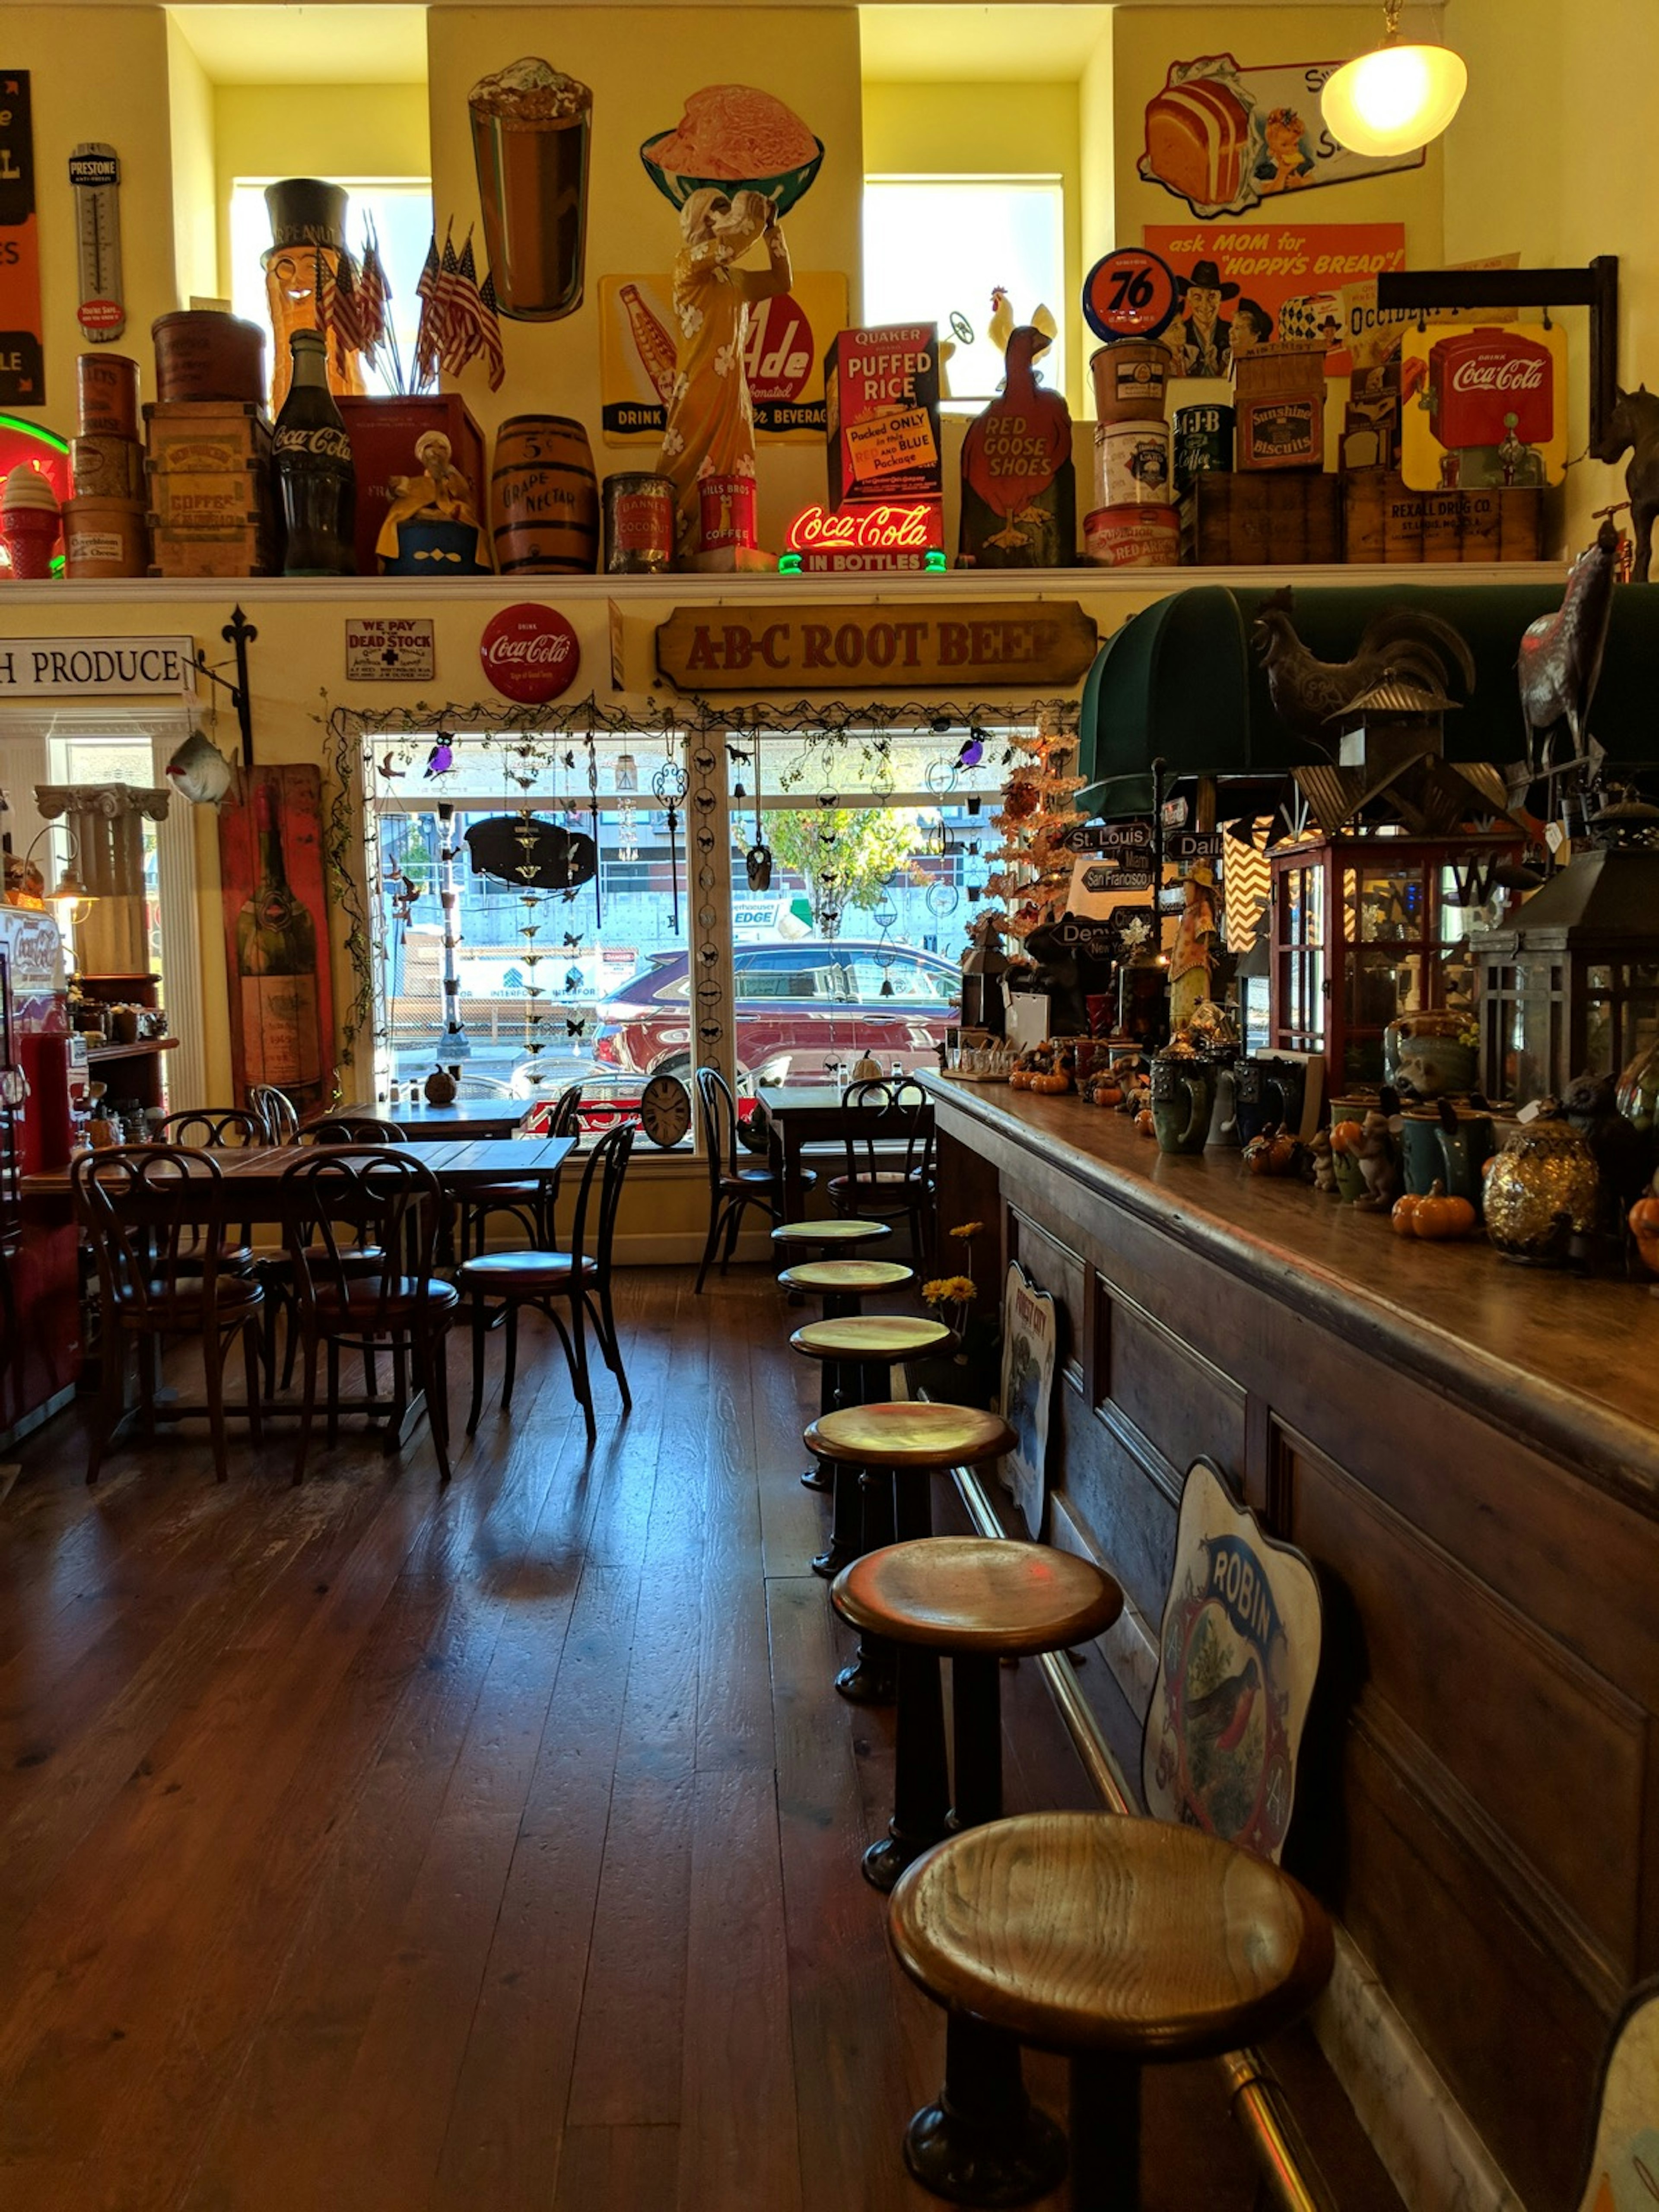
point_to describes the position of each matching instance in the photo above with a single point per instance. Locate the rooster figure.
(1002, 324)
(1402, 643)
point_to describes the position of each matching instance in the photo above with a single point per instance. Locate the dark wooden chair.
(531, 1200)
(277, 1111)
(975, 1601)
(360, 1224)
(888, 1173)
(732, 1187)
(355, 1129)
(578, 1279)
(1117, 1941)
(154, 1215)
(212, 1129)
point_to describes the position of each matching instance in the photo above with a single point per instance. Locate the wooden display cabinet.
(134, 1072)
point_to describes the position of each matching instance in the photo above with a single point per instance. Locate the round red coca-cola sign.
(530, 653)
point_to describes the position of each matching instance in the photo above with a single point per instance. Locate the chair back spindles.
(900, 1106)
(718, 1111)
(355, 1129)
(277, 1111)
(213, 1129)
(607, 1164)
(153, 1214)
(339, 1204)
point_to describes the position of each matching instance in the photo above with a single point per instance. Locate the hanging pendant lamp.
(1395, 99)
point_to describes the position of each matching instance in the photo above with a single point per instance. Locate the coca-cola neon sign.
(865, 540)
(530, 653)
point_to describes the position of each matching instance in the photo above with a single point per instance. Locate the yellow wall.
(640, 63)
(314, 131)
(98, 73)
(195, 232)
(1551, 154)
(987, 130)
(1097, 213)
(1145, 40)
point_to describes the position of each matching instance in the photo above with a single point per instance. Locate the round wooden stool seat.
(847, 1279)
(972, 1594)
(867, 1339)
(837, 1230)
(1095, 1932)
(910, 1434)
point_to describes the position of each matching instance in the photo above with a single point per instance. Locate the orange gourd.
(1109, 1094)
(1346, 1134)
(1144, 1122)
(1438, 1217)
(1644, 1219)
(1403, 1218)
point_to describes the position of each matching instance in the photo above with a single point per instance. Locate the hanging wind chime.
(670, 784)
(757, 860)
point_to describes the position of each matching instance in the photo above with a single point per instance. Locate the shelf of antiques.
(1468, 1451)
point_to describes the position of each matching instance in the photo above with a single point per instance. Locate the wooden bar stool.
(1119, 1943)
(832, 1239)
(896, 1447)
(973, 1599)
(843, 1285)
(858, 1351)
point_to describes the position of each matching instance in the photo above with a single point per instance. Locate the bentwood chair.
(276, 1110)
(355, 1129)
(889, 1176)
(531, 1200)
(578, 1279)
(154, 1215)
(732, 1187)
(360, 1224)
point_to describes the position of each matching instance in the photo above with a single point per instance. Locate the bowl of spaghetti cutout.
(734, 138)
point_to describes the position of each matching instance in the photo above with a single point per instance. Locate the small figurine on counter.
(1324, 1163)
(1378, 1155)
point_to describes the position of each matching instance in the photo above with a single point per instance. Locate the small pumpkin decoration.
(1109, 1094)
(1053, 1082)
(1403, 1216)
(1644, 1218)
(1144, 1122)
(1347, 1136)
(1273, 1154)
(1439, 1217)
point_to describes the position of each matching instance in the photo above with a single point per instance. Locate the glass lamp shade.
(1395, 100)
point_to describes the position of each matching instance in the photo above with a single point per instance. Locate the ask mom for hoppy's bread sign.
(820, 648)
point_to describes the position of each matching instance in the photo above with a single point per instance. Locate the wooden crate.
(209, 470)
(1270, 519)
(383, 433)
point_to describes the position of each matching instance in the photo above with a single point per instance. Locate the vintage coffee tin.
(1129, 378)
(1131, 463)
(727, 505)
(106, 390)
(1203, 442)
(1132, 538)
(639, 524)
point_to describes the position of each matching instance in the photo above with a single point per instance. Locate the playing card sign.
(1238, 1655)
(22, 362)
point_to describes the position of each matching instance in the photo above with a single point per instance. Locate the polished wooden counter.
(1468, 1451)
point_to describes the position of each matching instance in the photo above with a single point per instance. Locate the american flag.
(449, 307)
(373, 295)
(489, 330)
(428, 337)
(345, 320)
(464, 334)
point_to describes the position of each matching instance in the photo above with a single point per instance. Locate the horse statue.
(1560, 659)
(1635, 423)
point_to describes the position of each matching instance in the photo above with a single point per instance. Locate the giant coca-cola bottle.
(316, 483)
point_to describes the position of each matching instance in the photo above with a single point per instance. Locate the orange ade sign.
(821, 648)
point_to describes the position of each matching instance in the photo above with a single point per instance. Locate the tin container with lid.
(105, 538)
(1131, 463)
(1130, 375)
(106, 390)
(1132, 538)
(639, 524)
(203, 354)
(1203, 442)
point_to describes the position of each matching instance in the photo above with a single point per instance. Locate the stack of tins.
(544, 498)
(1133, 524)
(208, 441)
(104, 529)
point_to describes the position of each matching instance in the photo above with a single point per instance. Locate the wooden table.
(798, 1114)
(422, 1123)
(253, 1173)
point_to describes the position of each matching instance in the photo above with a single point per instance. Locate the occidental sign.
(880, 648)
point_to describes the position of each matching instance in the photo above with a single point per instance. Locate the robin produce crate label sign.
(1238, 1656)
(23, 361)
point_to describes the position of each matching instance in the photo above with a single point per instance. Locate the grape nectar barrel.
(544, 498)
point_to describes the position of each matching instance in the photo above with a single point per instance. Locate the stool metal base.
(870, 1681)
(984, 2141)
(816, 1477)
(884, 1862)
(830, 1563)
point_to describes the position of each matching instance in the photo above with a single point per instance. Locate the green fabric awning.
(1182, 680)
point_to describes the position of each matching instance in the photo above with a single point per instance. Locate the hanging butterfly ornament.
(670, 784)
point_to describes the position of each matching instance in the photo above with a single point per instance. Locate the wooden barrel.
(544, 498)
(1442, 526)
(202, 353)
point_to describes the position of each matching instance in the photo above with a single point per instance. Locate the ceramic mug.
(1269, 1094)
(1183, 1092)
(1223, 1119)
(1451, 1157)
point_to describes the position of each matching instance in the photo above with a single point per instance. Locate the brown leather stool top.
(911, 1433)
(978, 1594)
(1097, 1931)
(869, 1338)
(847, 1279)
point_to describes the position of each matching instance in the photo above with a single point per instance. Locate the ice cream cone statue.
(710, 430)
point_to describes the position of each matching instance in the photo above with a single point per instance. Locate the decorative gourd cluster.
(1049, 1068)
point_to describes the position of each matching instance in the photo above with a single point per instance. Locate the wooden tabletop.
(803, 1100)
(1092, 1931)
(254, 1172)
(469, 1117)
(978, 1594)
(1569, 1363)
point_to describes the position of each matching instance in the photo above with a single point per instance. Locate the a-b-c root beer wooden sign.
(882, 649)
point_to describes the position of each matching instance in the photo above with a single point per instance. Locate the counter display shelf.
(1468, 1451)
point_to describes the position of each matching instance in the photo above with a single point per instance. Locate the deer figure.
(1560, 659)
(1635, 423)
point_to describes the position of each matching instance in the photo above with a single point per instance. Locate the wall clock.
(665, 1109)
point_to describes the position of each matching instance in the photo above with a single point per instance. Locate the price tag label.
(1130, 294)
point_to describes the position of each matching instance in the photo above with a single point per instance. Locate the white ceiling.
(331, 43)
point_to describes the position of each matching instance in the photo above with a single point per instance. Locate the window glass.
(934, 246)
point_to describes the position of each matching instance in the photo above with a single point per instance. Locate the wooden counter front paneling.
(1469, 1453)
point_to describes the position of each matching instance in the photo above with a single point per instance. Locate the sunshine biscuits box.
(881, 393)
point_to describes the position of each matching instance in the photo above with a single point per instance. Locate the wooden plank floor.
(372, 1847)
